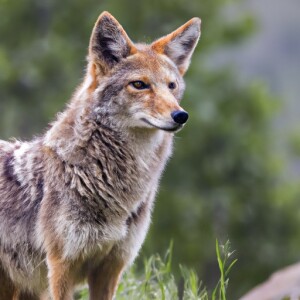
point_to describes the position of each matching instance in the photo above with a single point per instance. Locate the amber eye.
(139, 85)
(172, 85)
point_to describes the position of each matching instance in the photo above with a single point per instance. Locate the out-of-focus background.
(235, 171)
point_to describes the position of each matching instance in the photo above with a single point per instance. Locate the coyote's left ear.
(180, 44)
(109, 42)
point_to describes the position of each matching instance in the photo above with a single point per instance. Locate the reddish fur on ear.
(180, 44)
(160, 44)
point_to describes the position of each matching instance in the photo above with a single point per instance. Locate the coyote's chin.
(171, 127)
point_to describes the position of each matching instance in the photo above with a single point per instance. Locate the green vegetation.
(158, 282)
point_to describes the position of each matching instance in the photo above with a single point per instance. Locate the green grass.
(158, 282)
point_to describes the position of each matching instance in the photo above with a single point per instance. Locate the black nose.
(180, 116)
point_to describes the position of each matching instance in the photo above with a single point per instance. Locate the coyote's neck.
(105, 162)
(78, 138)
(72, 133)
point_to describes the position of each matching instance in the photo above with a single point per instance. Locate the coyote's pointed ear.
(180, 44)
(109, 42)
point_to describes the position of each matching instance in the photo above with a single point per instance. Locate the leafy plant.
(158, 281)
(223, 255)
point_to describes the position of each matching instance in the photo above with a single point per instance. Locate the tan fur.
(94, 76)
(76, 203)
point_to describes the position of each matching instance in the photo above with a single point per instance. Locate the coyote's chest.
(105, 195)
(118, 168)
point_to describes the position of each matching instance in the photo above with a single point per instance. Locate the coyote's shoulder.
(75, 204)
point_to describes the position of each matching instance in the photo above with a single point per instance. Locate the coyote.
(75, 203)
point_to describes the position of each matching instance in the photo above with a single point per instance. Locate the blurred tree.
(223, 180)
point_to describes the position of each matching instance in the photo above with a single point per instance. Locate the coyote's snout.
(75, 204)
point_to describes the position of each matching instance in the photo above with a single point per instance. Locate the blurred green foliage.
(224, 179)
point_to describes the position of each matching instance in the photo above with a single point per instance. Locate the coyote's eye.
(172, 85)
(139, 85)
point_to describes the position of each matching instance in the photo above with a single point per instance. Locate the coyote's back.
(75, 204)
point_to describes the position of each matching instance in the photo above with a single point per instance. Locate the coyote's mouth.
(173, 128)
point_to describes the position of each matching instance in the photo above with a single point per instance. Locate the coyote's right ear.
(109, 42)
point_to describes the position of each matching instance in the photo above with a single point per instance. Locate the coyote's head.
(138, 85)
